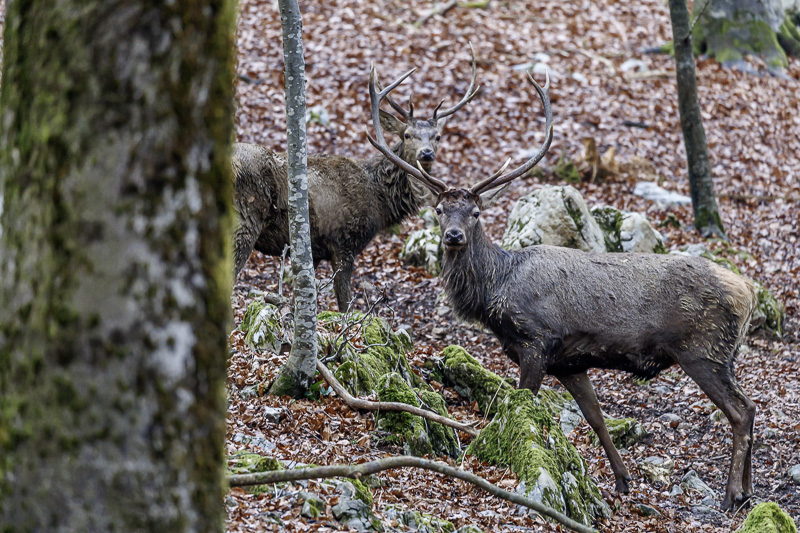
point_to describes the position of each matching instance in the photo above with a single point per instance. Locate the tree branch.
(367, 405)
(389, 463)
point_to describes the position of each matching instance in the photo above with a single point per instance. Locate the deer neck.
(472, 274)
(397, 196)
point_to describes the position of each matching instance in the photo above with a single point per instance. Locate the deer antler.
(493, 181)
(468, 96)
(437, 114)
(375, 98)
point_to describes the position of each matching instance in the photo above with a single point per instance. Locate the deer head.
(421, 137)
(459, 210)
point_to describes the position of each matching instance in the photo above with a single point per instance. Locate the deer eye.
(476, 213)
(438, 211)
(438, 137)
(407, 135)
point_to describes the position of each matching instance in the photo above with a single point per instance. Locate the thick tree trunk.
(730, 29)
(114, 264)
(706, 216)
(297, 373)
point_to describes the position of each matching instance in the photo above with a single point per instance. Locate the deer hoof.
(734, 501)
(622, 485)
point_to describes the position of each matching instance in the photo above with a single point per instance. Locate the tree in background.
(730, 29)
(706, 215)
(115, 264)
(297, 374)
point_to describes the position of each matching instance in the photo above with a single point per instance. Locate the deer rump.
(639, 313)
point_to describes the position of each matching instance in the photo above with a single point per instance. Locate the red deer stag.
(561, 312)
(350, 200)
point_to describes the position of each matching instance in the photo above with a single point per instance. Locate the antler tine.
(492, 182)
(408, 115)
(379, 141)
(468, 96)
(437, 182)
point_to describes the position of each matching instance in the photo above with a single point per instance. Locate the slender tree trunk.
(114, 264)
(706, 216)
(297, 373)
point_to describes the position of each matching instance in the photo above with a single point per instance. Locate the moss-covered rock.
(731, 30)
(418, 435)
(624, 432)
(262, 327)
(251, 463)
(353, 511)
(424, 249)
(767, 517)
(553, 215)
(420, 522)
(524, 436)
(610, 221)
(471, 381)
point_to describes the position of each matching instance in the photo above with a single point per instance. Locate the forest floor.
(753, 129)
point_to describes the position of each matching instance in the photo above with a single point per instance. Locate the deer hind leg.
(244, 239)
(581, 389)
(343, 271)
(718, 382)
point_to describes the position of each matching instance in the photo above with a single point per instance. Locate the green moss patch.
(524, 436)
(767, 517)
(251, 463)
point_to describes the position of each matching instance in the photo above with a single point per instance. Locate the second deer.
(560, 311)
(350, 200)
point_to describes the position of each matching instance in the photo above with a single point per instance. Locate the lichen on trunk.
(114, 264)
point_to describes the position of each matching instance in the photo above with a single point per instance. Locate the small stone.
(469, 528)
(274, 414)
(717, 417)
(691, 481)
(657, 469)
(651, 191)
(794, 473)
(439, 333)
(684, 426)
(671, 419)
(769, 433)
(675, 491)
(313, 505)
(646, 510)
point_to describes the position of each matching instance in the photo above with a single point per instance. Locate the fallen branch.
(389, 463)
(367, 405)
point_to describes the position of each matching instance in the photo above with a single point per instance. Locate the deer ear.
(489, 198)
(391, 123)
(440, 124)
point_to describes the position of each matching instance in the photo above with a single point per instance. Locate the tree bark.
(728, 30)
(115, 264)
(297, 374)
(706, 215)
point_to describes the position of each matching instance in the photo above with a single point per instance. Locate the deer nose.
(426, 155)
(453, 237)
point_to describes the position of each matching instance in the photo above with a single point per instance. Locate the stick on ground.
(379, 465)
(367, 405)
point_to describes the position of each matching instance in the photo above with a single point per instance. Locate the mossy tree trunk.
(706, 215)
(731, 29)
(114, 263)
(297, 374)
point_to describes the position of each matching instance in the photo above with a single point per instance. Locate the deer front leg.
(581, 389)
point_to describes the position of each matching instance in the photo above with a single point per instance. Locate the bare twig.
(389, 463)
(433, 12)
(367, 405)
